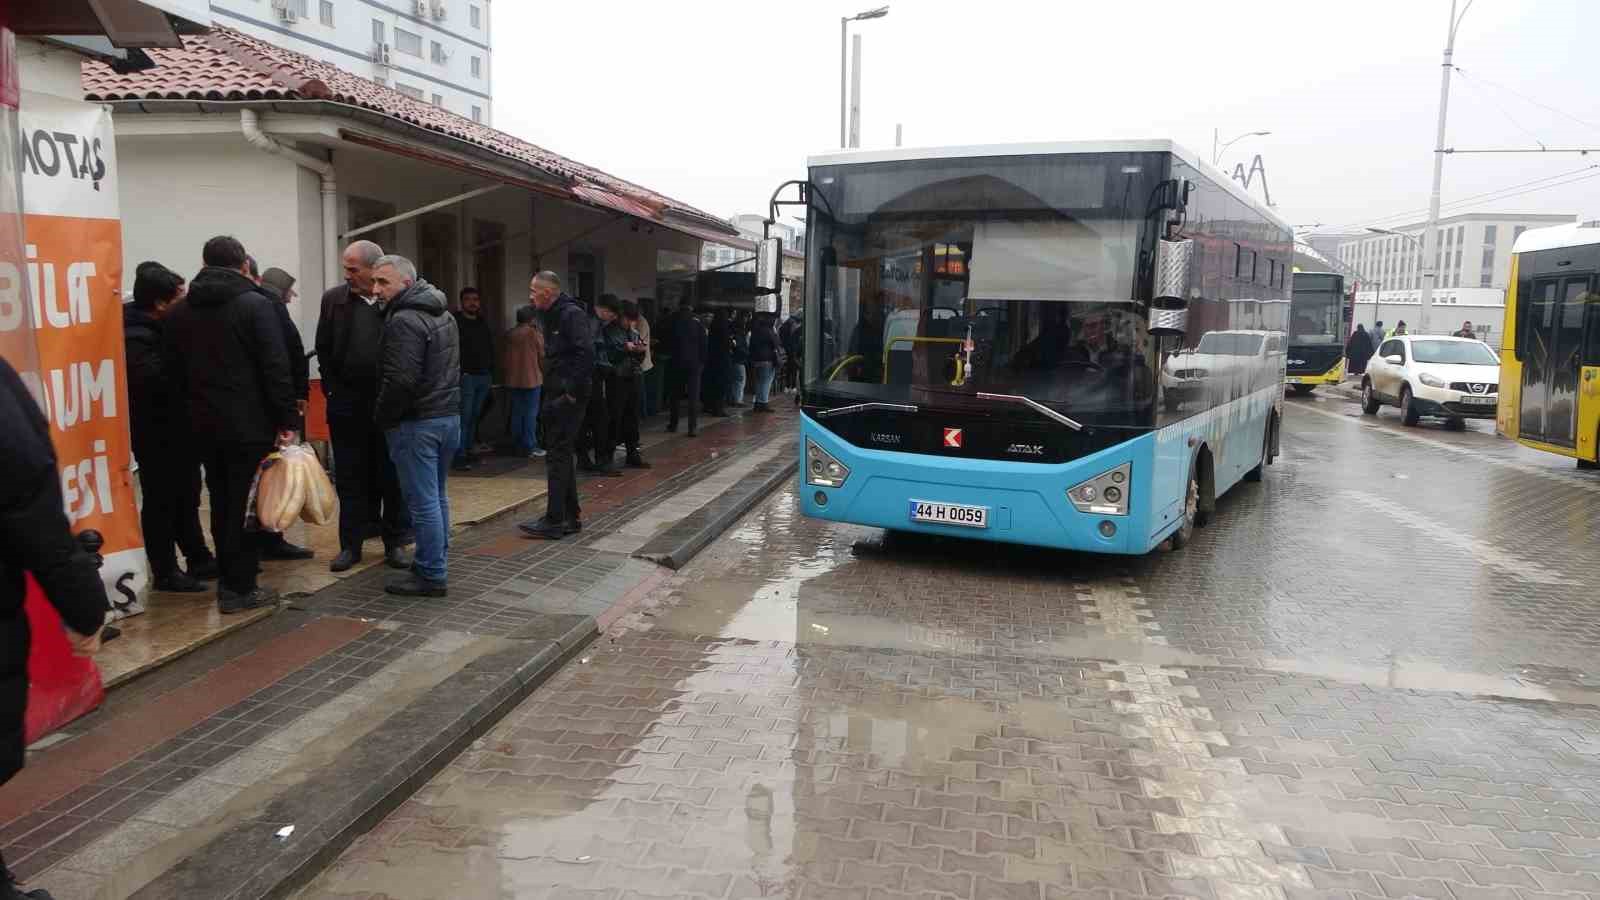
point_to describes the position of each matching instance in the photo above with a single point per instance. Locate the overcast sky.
(716, 102)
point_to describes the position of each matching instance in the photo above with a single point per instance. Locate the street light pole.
(1216, 153)
(1430, 235)
(844, 49)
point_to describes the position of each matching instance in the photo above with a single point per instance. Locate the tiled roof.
(228, 65)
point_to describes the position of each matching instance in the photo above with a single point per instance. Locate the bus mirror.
(1174, 260)
(769, 265)
(1166, 322)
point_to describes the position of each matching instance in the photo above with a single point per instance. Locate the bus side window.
(1591, 346)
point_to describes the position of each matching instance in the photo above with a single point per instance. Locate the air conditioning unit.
(438, 9)
(380, 54)
(421, 7)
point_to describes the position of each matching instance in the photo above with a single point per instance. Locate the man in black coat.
(226, 355)
(569, 370)
(35, 537)
(687, 344)
(419, 411)
(278, 285)
(1358, 350)
(719, 364)
(348, 333)
(169, 474)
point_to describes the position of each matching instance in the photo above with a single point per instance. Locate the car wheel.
(1369, 398)
(1408, 409)
(1191, 510)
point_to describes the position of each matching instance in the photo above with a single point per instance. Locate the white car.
(1426, 375)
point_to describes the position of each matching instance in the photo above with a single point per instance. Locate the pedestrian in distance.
(419, 410)
(281, 289)
(596, 436)
(225, 351)
(349, 330)
(765, 355)
(169, 473)
(524, 368)
(738, 369)
(1378, 334)
(685, 369)
(1358, 350)
(1399, 329)
(35, 538)
(1466, 331)
(568, 373)
(638, 322)
(477, 372)
(626, 350)
(719, 364)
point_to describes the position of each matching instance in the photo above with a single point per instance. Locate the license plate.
(1292, 379)
(1479, 401)
(950, 514)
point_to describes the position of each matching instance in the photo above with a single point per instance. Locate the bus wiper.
(865, 407)
(1034, 405)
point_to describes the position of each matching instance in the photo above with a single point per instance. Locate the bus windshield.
(1318, 310)
(1454, 353)
(931, 280)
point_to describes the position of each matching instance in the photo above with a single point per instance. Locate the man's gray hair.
(366, 251)
(550, 278)
(405, 267)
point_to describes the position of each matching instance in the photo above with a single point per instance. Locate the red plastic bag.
(61, 687)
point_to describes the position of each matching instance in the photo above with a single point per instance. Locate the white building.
(1474, 252)
(436, 51)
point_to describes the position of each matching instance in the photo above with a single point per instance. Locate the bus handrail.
(1036, 406)
(912, 339)
(864, 407)
(834, 373)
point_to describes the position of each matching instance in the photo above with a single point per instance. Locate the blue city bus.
(1076, 345)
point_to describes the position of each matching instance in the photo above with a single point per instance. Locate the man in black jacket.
(419, 411)
(226, 356)
(348, 332)
(569, 368)
(169, 475)
(35, 537)
(477, 372)
(687, 344)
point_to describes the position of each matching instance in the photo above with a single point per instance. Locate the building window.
(477, 67)
(301, 8)
(438, 100)
(437, 54)
(476, 15)
(325, 11)
(1490, 233)
(414, 93)
(477, 114)
(379, 33)
(406, 42)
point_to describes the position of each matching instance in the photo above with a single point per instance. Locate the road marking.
(1571, 480)
(1443, 532)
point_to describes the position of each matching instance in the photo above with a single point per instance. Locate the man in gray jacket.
(419, 410)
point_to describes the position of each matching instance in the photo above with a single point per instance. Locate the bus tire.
(1266, 451)
(1408, 411)
(1369, 398)
(1191, 510)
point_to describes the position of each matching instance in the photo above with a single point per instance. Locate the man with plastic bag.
(229, 363)
(419, 410)
(34, 537)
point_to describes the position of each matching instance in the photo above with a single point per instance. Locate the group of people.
(712, 357)
(1363, 344)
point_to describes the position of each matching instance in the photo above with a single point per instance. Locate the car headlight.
(1105, 494)
(822, 469)
(1431, 380)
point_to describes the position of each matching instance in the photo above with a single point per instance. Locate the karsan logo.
(61, 153)
(885, 437)
(1026, 449)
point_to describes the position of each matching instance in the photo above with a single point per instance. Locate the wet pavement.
(1373, 675)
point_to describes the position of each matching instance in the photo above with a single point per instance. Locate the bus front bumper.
(1025, 503)
(1332, 376)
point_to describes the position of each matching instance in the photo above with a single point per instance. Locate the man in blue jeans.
(477, 372)
(418, 408)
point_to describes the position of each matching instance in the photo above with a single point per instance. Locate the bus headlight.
(1105, 494)
(822, 469)
(1431, 380)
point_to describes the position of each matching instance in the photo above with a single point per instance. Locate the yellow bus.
(1550, 344)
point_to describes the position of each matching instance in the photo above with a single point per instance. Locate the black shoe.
(205, 569)
(608, 471)
(693, 433)
(395, 558)
(281, 550)
(345, 561)
(673, 427)
(461, 465)
(180, 583)
(572, 526)
(10, 890)
(544, 531)
(413, 585)
(635, 461)
(230, 602)
(762, 408)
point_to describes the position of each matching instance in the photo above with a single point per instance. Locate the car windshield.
(934, 281)
(1455, 353)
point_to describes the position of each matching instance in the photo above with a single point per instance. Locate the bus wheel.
(1191, 511)
(1266, 453)
(1408, 410)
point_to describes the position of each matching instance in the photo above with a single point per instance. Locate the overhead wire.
(1526, 99)
(1498, 108)
(1501, 193)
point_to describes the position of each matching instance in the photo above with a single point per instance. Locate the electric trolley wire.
(1475, 94)
(1527, 99)
(1501, 193)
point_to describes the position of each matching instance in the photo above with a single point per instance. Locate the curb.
(436, 729)
(680, 543)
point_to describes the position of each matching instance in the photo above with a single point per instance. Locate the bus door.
(1551, 340)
